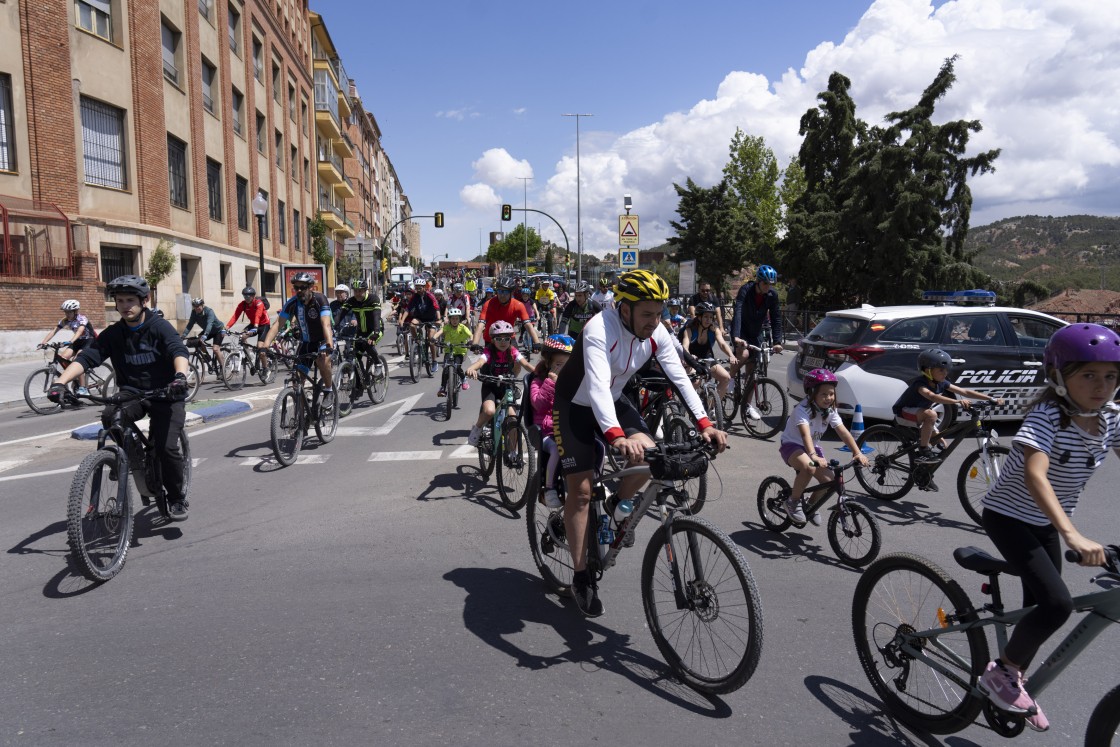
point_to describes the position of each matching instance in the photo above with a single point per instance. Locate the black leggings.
(1036, 553)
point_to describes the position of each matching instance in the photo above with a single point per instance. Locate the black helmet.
(361, 285)
(249, 291)
(934, 358)
(304, 278)
(507, 283)
(129, 284)
(701, 308)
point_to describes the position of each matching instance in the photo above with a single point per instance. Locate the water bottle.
(606, 534)
(622, 510)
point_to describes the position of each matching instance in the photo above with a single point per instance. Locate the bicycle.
(853, 531)
(402, 340)
(894, 470)
(38, 383)
(244, 360)
(359, 375)
(923, 645)
(420, 356)
(99, 520)
(510, 450)
(759, 393)
(201, 362)
(455, 376)
(698, 592)
(709, 391)
(523, 339)
(296, 410)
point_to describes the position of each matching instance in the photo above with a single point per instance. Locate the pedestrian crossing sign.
(628, 259)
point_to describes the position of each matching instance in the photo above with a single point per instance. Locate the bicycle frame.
(501, 412)
(833, 487)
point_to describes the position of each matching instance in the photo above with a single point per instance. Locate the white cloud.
(458, 114)
(520, 110)
(480, 197)
(1040, 75)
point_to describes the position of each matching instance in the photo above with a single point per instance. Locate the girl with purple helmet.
(1028, 512)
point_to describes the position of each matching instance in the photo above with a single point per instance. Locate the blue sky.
(469, 96)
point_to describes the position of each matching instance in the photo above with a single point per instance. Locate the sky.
(469, 96)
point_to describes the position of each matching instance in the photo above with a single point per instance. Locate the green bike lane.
(394, 601)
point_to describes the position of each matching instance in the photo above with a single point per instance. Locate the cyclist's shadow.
(465, 482)
(499, 603)
(793, 543)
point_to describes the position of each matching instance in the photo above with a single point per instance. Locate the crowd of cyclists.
(599, 337)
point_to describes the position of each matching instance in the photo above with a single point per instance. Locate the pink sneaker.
(1004, 686)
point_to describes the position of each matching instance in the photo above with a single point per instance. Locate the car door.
(986, 356)
(1031, 332)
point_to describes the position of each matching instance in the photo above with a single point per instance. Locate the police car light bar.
(961, 298)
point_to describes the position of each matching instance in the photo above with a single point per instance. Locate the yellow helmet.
(641, 285)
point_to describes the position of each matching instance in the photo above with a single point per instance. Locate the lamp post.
(260, 209)
(524, 224)
(579, 230)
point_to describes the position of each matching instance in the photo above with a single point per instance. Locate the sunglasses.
(301, 288)
(502, 338)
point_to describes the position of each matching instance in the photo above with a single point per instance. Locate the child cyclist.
(1027, 513)
(499, 358)
(457, 336)
(916, 404)
(542, 393)
(800, 447)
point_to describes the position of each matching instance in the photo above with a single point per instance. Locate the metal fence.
(35, 240)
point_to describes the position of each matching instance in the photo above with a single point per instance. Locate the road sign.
(628, 259)
(628, 230)
(687, 277)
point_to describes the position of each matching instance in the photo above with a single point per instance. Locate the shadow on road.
(789, 544)
(466, 482)
(501, 601)
(864, 713)
(904, 512)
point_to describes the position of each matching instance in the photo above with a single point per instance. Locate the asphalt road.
(349, 601)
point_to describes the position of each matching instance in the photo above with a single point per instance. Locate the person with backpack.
(256, 314)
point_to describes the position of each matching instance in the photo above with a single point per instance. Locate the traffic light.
(384, 265)
(507, 212)
(439, 220)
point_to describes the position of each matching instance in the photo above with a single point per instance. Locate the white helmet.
(342, 287)
(71, 305)
(501, 327)
(439, 291)
(454, 311)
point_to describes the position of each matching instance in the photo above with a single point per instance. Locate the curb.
(224, 409)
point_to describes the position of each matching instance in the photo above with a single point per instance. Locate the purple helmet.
(1081, 343)
(818, 376)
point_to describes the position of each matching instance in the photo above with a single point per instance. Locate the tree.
(349, 269)
(548, 259)
(715, 230)
(512, 248)
(791, 189)
(752, 173)
(160, 264)
(317, 233)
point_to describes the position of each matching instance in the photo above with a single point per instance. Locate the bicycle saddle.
(975, 559)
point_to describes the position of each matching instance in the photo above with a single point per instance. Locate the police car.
(874, 351)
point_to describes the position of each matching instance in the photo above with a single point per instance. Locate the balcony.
(343, 88)
(330, 164)
(344, 146)
(345, 188)
(332, 214)
(327, 120)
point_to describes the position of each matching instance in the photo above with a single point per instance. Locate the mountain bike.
(709, 391)
(523, 339)
(402, 340)
(359, 375)
(452, 364)
(760, 401)
(504, 443)
(244, 360)
(894, 468)
(99, 520)
(420, 357)
(296, 410)
(39, 381)
(923, 645)
(201, 362)
(700, 599)
(853, 531)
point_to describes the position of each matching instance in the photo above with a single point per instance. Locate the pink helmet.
(818, 376)
(501, 328)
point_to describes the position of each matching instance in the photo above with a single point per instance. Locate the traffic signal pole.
(567, 249)
(437, 217)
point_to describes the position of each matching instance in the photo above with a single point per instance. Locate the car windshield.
(837, 329)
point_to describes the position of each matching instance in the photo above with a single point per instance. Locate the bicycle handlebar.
(1111, 554)
(499, 380)
(128, 394)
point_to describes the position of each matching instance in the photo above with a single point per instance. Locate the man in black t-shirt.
(313, 314)
(706, 295)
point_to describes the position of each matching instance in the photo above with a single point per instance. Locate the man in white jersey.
(604, 296)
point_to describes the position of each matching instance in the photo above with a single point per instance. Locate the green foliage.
(320, 251)
(791, 189)
(348, 270)
(715, 230)
(511, 249)
(752, 173)
(548, 259)
(160, 264)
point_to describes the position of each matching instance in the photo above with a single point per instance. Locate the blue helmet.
(767, 274)
(489, 291)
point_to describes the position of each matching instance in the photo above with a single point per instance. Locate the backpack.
(267, 305)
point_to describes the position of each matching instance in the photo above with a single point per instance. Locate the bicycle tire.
(326, 425)
(429, 363)
(548, 544)
(1104, 724)
(99, 522)
(287, 426)
(377, 383)
(344, 383)
(485, 454)
(975, 479)
(194, 381)
(772, 494)
(400, 344)
(770, 400)
(858, 543)
(516, 483)
(714, 408)
(890, 474)
(35, 389)
(723, 606)
(414, 363)
(900, 594)
(235, 370)
(730, 401)
(689, 495)
(449, 390)
(108, 385)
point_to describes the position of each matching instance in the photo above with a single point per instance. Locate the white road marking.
(12, 464)
(405, 456)
(466, 451)
(301, 459)
(398, 416)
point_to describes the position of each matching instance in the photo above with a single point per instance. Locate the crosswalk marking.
(355, 431)
(301, 459)
(405, 456)
(466, 451)
(398, 416)
(12, 464)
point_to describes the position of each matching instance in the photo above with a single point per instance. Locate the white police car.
(874, 351)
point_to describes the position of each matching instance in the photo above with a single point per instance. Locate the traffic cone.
(857, 429)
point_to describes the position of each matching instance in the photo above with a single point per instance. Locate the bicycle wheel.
(235, 369)
(517, 465)
(772, 494)
(344, 383)
(287, 425)
(854, 534)
(429, 363)
(35, 391)
(377, 383)
(712, 637)
(99, 516)
(897, 610)
(549, 544)
(730, 401)
(977, 476)
(1104, 724)
(400, 344)
(891, 472)
(107, 386)
(194, 381)
(768, 398)
(414, 363)
(450, 390)
(486, 452)
(714, 407)
(326, 425)
(689, 495)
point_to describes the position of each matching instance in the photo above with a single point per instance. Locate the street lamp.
(579, 230)
(524, 223)
(260, 209)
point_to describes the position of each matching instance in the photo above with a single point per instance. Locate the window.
(95, 16)
(205, 8)
(177, 171)
(276, 83)
(170, 52)
(281, 222)
(303, 113)
(7, 128)
(117, 261)
(209, 75)
(225, 273)
(279, 150)
(1032, 332)
(237, 101)
(307, 173)
(258, 64)
(921, 329)
(234, 30)
(295, 228)
(214, 188)
(261, 147)
(270, 283)
(295, 164)
(242, 203)
(103, 144)
(264, 233)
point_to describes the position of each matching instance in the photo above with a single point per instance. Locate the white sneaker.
(552, 499)
(753, 413)
(83, 391)
(472, 439)
(794, 511)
